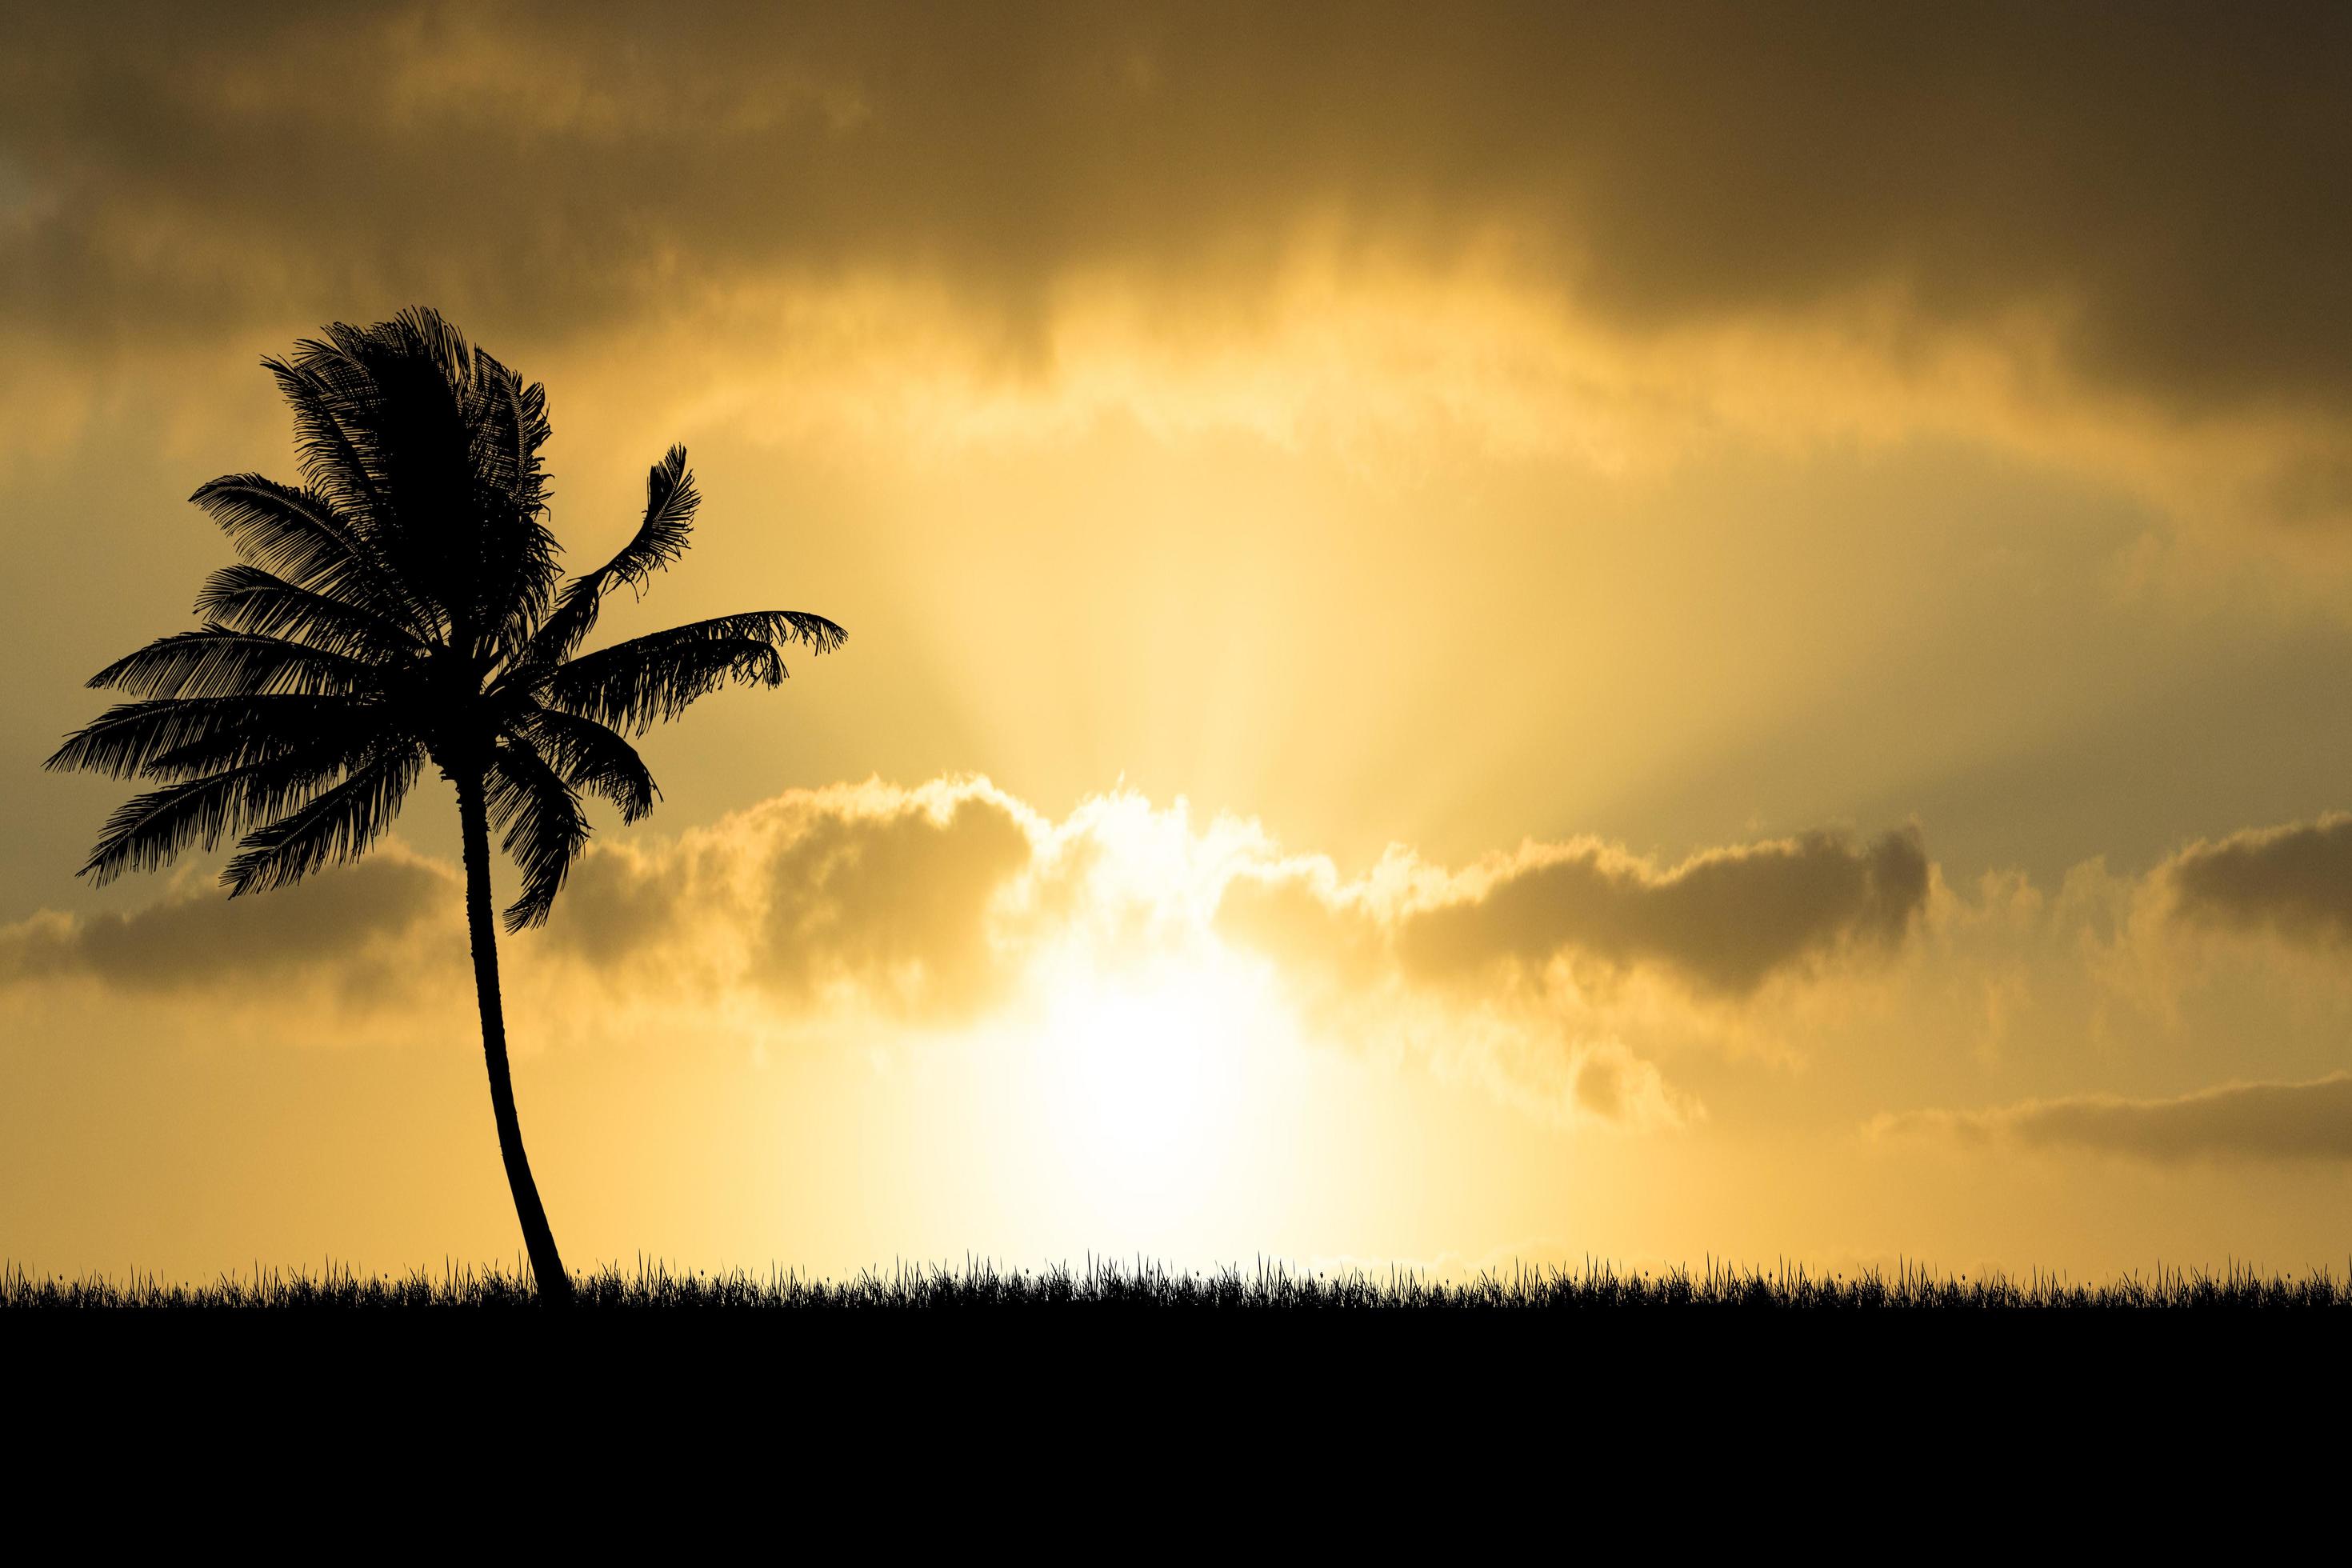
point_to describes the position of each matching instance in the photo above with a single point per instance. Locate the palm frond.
(336, 826)
(379, 435)
(544, 828)
(356, 725)
(248, 599)
(509, 424)
(590, 757)
(633, 685)
(130, 738)
(515, 428)
(331, 438)
(419, 333)
(660, 540)
(215, 661)
(446, 440)
(147, 830)
(297, 535)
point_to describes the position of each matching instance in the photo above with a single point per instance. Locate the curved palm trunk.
(546, 1267)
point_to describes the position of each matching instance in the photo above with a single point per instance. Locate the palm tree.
(402, 607)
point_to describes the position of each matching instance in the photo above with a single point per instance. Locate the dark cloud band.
(2163, 179)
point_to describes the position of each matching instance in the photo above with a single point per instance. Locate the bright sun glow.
(1157, 1080)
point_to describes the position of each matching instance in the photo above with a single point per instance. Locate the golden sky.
(1475, 633)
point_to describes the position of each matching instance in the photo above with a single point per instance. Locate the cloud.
(620, 901)
(2145, 204)
(362, 927)
(2293, 882)
(1725, 921)
(1721, 924)
(919, 903)
(1615, 1085)
(1560, 975)
(897, 896)
(2258, 1122)
(864, 898)
(870, 891)
(1299, 914)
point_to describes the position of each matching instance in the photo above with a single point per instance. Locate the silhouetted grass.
(981, 1287)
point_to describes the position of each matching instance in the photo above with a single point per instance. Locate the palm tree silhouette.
(402, 607)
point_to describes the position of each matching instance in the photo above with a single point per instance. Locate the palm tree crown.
(402, 607)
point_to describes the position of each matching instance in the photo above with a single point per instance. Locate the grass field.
(1129, 1381)
(981, 1287)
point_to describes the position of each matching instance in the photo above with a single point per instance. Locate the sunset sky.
(1475, 633)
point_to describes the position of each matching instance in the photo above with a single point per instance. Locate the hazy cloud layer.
(2158, 185)
(2269, 1121)
(941, 906)
(1576, 979)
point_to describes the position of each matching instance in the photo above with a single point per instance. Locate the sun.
(1155, 1080)
(1145, 1065)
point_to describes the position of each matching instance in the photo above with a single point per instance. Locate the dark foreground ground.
(1143, 1412)
(1072, 1295)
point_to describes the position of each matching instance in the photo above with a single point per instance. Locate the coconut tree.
(403, 605)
